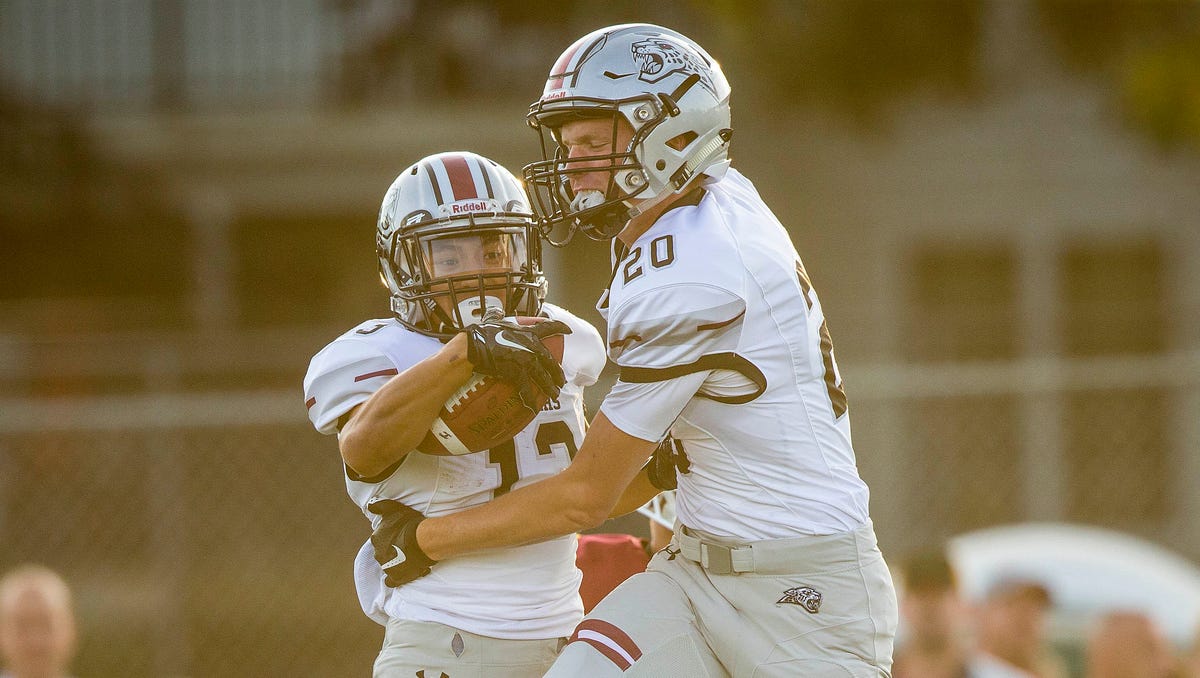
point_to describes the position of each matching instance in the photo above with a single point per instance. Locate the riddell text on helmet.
(473, 206)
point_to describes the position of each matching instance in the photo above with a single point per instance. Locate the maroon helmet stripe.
(433, 181)
(461, 181)
(587, 54)
(487, 183)
(310, 402)
(560, 67)
(381, 373)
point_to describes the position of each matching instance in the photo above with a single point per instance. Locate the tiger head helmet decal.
(657, 57)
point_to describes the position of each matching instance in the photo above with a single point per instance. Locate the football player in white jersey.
(455, 237)
(773, 569)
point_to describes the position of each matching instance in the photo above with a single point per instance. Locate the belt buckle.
(716, 559)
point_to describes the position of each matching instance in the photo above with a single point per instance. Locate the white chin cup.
(587, 199)
(470, 311)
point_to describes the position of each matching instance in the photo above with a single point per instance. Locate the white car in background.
(1088, 571)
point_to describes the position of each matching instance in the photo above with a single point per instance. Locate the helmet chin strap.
(434, 319)
(643, 206)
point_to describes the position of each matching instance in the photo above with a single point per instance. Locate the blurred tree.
(1149, 52)
(78, 227)
(854, 57)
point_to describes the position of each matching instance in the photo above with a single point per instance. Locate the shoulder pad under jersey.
(342, 375)
(676, 324)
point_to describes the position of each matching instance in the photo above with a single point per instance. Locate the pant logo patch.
(804, 596)
(457, 645)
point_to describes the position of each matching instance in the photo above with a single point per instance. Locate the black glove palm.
(514, 353)
(395, 542)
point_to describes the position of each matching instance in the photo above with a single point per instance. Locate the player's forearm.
(395, 418)
(527, 515)
(579, 498)
(639, 492)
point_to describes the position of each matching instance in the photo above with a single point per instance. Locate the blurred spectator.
(1010, 624)
(931, 617)
(1129, 645)
(37, 623)
(1191, 660)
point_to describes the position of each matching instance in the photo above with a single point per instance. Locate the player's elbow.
(567, 503)
(581, 518)
(589, 510)
(354, 457)
(363, 457)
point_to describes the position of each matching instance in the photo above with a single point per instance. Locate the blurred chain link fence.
(219, 547)
(209, 534)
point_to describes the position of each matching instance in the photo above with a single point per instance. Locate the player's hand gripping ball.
(517, 371)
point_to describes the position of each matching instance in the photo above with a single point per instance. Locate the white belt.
(807, 554)
(716, 558)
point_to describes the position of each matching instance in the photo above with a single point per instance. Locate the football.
(485, 412)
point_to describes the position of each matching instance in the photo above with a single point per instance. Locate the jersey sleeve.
(647, 410)
(671, 327)
(583, 349)
(669, 341)
(344, 374)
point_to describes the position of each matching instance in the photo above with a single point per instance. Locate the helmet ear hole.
(682, 141)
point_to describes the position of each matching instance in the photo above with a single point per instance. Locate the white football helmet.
(454, 237)
(666, 87)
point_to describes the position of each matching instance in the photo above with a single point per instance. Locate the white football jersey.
(721, 340)
(525, 592)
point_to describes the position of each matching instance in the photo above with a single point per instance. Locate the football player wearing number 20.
(455, 240)
(721, 342)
